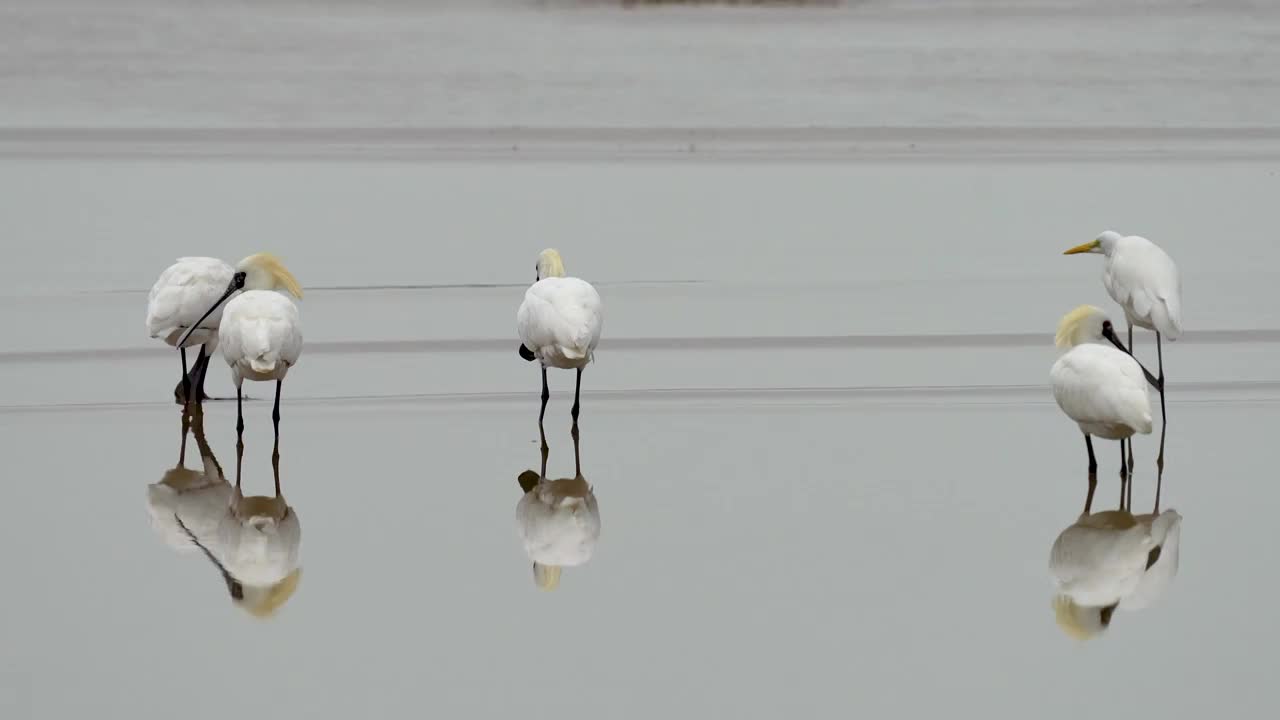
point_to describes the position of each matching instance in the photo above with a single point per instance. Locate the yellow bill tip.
(1086, 247)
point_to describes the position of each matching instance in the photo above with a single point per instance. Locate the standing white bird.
(1101, 388)
(1095, 564)
(558, 521)
(1144, 280)
(559, 324)
(184, 307)
(182, 292)
(260, 334)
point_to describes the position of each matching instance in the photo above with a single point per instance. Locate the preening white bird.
(260, 333)
(558, 521)
(1101, 388)
(184, 307)
(1144, 280)
(180, 295)
(1096, 563)
(559, 324)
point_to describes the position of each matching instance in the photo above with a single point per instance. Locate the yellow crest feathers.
(1069, 326)
(272, 266)
(550, 264)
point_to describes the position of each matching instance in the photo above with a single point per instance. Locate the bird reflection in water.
(254, 542)
(558, 520)
(1112, 560)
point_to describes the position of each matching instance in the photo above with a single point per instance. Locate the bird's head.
(1085, 324)
(260, 271)
(264, 271)
(1102, 244)
(550, 264)
(547, 577)
(262, 602)
(1079, 622)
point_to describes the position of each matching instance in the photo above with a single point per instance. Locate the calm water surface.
(828, 465)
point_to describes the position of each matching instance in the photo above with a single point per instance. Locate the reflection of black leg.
(1093, 474)
(546, 395)
(186, 427)
(275, 463)
(1125, 484)
(577, 456)
(275, 411)
(1164, 423)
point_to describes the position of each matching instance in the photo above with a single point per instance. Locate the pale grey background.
(828, 465)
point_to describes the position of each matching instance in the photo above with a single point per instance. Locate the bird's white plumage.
(198, 500)
(260, 335)
(1100, 559)
(559, 522)
(1166, 533)
(1143, 279)
(1104, 390)
(182, 293)
(560, 321)
(258, 540)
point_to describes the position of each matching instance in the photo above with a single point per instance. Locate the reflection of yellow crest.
(266, 602)
(546, 576)
(1069, 617)
(1071, 325)
(271, 265)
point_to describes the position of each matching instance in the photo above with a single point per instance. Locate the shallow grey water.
(828, 465)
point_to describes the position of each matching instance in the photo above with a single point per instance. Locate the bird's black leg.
(275, 412)
(577, 454)
(202, 363)
(183, 392)
(1125, 482)
(1164, 422)
(239, 410)
(546, 395)
(1093, 474)
(577, 390)
(275, 463)
(239, 439)
(1130, 443)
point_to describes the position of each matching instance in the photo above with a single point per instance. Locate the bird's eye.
(1106, 325)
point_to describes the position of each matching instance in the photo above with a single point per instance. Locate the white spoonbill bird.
(182, 292)
(558, 521)
(1144, 280)
(559, 324)
(184, 305)
(259, 333)
(1095, 564)
(1100, 387)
